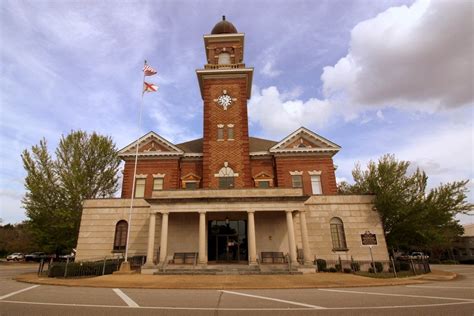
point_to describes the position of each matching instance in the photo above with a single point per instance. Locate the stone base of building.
(264, 226)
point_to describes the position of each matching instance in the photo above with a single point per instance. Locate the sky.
(374, 77)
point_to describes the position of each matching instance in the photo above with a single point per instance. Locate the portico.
(246, 221)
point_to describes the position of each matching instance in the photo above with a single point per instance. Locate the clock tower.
(225, 85)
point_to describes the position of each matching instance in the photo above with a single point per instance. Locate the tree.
(85, 167)
(15, 238)
(412, 217)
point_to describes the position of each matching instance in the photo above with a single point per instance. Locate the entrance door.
(227, 241)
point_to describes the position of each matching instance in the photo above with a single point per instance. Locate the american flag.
(149, 71)
(149, 87)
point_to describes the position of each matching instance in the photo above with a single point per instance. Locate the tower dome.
(224, 27)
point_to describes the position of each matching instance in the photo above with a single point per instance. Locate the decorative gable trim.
(159, 175)
(130, 150)
(191, 177)
(296, 173)
(315, 173)
(262, 175)
(302, 132)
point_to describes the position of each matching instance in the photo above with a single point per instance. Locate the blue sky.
(375, 77)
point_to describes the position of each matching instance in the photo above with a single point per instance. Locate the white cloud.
(417, 57)
(269, 70)
(279, 116)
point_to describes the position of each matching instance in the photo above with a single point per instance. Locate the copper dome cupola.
(224, 27)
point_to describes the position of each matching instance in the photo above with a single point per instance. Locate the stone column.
(151, 240)
(304, 238)
(252, 246)
(291, 236)
(164, 237)
(202, 238)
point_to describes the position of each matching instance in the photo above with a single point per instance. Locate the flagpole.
(135, 170)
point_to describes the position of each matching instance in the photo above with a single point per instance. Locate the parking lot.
(431, 298)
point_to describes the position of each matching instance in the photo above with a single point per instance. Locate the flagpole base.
(125, 269)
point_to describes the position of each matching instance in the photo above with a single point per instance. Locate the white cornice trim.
(315, 173)
(192, 155)
(147, 137)
(159, 175)
(331, 147)
(141, 176)
(260, 153)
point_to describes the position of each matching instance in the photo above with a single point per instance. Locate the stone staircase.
(227, 269)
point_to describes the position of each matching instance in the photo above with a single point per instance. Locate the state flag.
(149, 87)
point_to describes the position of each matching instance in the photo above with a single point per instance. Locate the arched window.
(337, 234)
(120, 240)
(226, 177)
(224, 59)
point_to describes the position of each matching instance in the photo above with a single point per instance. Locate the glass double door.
(227, 241)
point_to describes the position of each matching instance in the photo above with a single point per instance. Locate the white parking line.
(442, 287)
(125, 298)
(17, 292)
(402, 295)
(274, 299)
(237, 309)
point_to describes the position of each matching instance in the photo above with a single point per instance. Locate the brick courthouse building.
(228, 197)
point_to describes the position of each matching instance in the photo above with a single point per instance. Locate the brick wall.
(170, 167)
(324, 164)
(235, 152)
(191, 166)
(259, 165)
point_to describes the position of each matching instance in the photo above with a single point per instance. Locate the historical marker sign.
(368, 239)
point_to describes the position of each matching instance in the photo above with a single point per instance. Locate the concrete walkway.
(317, 280)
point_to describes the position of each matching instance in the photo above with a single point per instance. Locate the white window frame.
(220, 132)
(316, 185)
(139, 194)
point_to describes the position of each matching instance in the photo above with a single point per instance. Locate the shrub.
(347, 270)
(338, 267)
(76, 269)
(321, 264)
(403, 266)
(325, 270)
(378, 266)
(355, 266)
(371, 270)
(434, 261)
(332, 269)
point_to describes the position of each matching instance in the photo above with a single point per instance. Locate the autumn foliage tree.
(85, 167)
(413, 217)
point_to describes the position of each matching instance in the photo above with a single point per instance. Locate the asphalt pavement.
(455, 297)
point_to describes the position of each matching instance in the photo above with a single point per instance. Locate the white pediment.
(150, 144)
(305, 141)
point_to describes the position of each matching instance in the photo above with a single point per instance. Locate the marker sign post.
(369, 239)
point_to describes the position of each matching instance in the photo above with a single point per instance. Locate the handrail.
(288, 258)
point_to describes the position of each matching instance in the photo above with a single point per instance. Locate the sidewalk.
(317, 280)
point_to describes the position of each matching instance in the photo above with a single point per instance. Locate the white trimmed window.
(230, 131)
(158, 184)
(140, 187)
(316, 184)
(158, 180)
(226, 177)
(220, 132)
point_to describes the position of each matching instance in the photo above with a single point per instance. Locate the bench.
(184, 257)
(273, 257)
